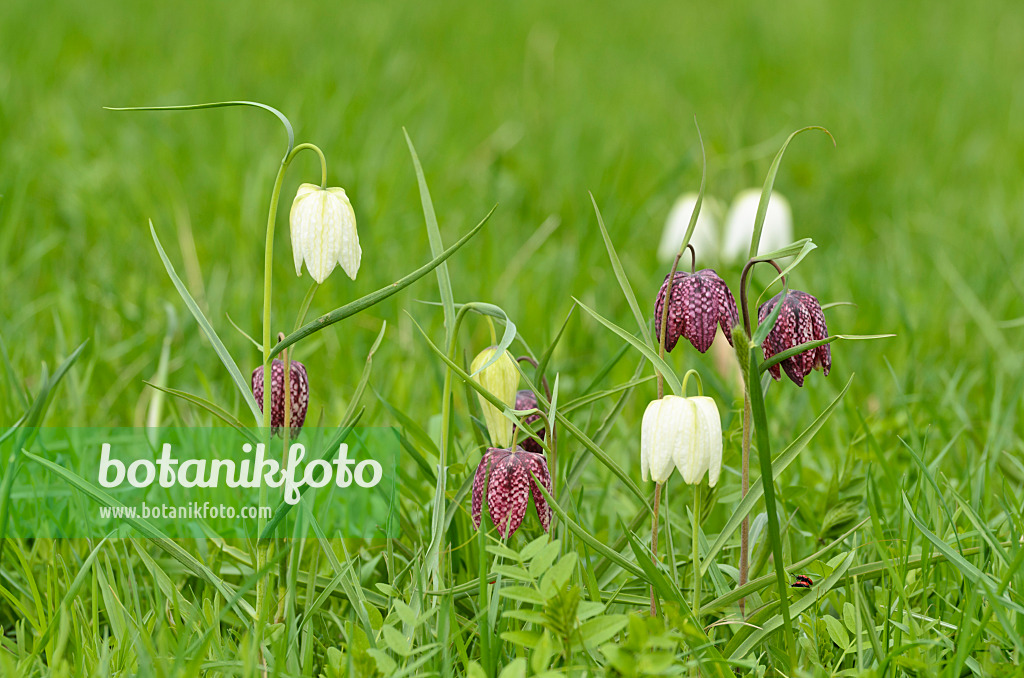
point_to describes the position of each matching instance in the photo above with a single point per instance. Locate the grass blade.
(645, 349)
(243, 385)
(373, 298)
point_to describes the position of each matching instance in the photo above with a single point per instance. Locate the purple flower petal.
(298, 385)
(800, 320)
(509, 488)
(700, 302)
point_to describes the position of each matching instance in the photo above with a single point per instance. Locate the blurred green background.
(529, 105)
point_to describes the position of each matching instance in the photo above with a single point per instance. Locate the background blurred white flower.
(706, 237)
(739, 225)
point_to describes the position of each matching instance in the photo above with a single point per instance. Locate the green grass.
(915, 213)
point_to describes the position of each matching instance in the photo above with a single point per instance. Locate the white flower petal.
(648, 434)
(350, 254)
(739, 224)
(323, 232)
(707, 411)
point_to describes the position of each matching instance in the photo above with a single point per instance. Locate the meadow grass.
(915, 212)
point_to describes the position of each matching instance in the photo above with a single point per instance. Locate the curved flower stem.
(743, 288)
(654, 542)
(686, 378)
(543, 378)
(262, 548)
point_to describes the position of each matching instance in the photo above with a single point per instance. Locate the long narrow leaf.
(645, 349)
(373, 298)
(147, 529)
(243, 385)
(444, 282)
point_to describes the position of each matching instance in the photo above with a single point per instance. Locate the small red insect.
(802, 582)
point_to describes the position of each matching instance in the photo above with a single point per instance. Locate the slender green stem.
(747, 425)
(764, 454)
(268, 268)
(654, 542)
(744, 488)
(686, 379)
(696, 552)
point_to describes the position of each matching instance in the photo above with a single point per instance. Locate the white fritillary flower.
(323, 227)
(683, 433)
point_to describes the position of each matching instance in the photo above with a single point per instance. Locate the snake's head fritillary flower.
(323, 227)
(776, 232)
(706, 238)
(527, 400)
(298, 384)
(700, 301)
(506, 473)
(800, 321)
(683, 433)
(501, 378)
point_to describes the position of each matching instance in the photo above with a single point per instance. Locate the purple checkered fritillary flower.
(700, 301)
(509, 486)
(527, 400)
(800, 321)
(298, 384)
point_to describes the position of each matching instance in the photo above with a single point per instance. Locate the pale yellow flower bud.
(323, 229)
(502, 379)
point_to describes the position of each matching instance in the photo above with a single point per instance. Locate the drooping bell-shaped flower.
(501, 378)
(800, 320)
(527, 400)
(683, 433)
(700, 302)
(706, 238)
(776, 232)
(506, 474)
(298, 384)
(323, 229)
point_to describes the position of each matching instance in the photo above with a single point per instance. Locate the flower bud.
(501, 378)
(527, 400)
(800, 320)
(298, 384)
(683, 433)
(323, 229)
(699, 302)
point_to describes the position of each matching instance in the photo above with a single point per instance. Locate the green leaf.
(602, 629)
(29, 423)
(396, 641)
(806, 601)
(374, 298)
(807, 346)
(645, 349)
(620, 275)
(585, 536)
(211, 407)
(837, 632)
(769, 183)
(778, 466)
(243, 386)
(148, 530)
(434, 236)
